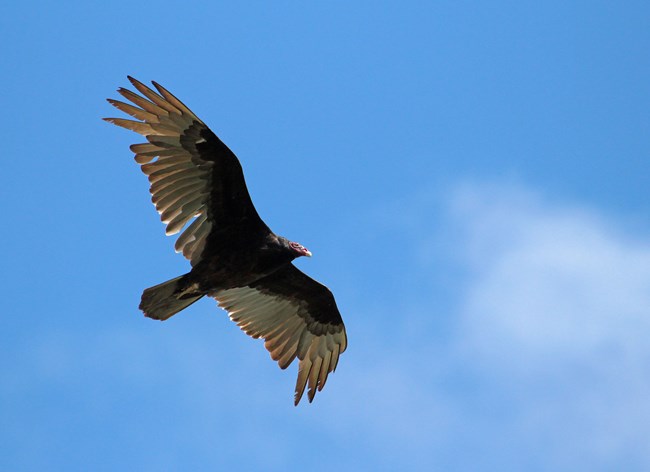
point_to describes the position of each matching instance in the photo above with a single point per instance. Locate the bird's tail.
(164, 300)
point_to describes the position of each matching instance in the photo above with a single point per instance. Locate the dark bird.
(235, 257)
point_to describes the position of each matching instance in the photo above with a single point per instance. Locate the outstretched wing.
(193, 174)
(297, 317)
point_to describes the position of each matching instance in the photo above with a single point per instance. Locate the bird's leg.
(190, 290)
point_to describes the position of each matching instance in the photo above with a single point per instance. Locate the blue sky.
(471, 177)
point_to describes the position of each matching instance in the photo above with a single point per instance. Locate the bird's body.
(235, 257)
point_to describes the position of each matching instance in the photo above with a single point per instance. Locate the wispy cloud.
(554, 323)
(543, 363)
(550, 280)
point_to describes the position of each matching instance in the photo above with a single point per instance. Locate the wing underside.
(298, 320)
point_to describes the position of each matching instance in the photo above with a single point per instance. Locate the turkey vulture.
(235, 257)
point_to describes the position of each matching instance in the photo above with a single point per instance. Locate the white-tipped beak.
(308, 253)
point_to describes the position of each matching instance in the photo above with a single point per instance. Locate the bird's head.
(299, 249)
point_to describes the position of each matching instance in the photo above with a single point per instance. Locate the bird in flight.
(236, 259)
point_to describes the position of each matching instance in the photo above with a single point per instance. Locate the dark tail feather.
(165, 300)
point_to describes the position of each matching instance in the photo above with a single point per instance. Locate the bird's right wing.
(193, 175)
(297, 317)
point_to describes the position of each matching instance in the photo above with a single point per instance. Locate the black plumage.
(197, 183)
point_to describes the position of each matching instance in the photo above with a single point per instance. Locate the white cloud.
(555, 322)
(550, 281)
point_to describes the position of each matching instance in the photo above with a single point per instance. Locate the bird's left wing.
(297, 317)
(193, 174)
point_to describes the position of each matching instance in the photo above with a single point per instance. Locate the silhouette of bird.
(235, 257)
